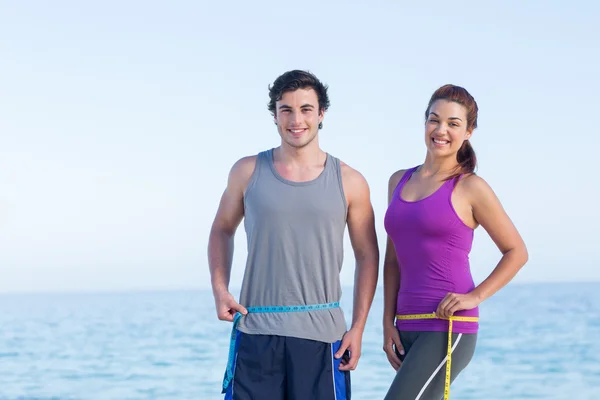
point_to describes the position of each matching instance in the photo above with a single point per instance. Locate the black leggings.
(423, 371)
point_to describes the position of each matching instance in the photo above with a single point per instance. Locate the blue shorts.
(268, 367)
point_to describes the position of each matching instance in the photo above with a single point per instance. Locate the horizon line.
(233, 289)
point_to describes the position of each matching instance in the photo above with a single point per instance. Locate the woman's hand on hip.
(454, 302)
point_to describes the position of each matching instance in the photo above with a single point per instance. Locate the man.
(289, 339)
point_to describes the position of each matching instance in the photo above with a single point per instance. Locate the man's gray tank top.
(295, 233)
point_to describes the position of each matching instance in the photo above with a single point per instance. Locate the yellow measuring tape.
(449, 352)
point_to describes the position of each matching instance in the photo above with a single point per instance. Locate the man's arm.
(221, 239)
(361, 229)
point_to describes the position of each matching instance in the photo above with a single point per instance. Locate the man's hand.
(351, 341)
(227, 307)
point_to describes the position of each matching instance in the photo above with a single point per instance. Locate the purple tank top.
(432, 245)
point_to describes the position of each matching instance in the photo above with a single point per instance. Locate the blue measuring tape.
(272, 309)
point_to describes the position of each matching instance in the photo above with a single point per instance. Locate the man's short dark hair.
(294, 80)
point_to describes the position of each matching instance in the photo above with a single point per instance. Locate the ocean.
(536, 341)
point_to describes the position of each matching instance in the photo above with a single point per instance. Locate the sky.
(120, 120)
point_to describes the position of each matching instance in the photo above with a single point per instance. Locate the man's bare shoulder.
(242, 171)
(352, 177)
(244, 165)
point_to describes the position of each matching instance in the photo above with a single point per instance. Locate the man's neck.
(305, 156)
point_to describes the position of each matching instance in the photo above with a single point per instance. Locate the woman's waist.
(437, 325)
(419, 303)
(444, 264)
(433, 287)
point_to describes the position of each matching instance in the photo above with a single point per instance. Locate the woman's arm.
(391, 285)
(489, 213)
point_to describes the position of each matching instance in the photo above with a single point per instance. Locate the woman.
(433, 211)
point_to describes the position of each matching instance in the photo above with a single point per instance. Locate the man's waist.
(326, 325)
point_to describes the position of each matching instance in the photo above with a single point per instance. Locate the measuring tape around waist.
(268, 309)
(449, 350)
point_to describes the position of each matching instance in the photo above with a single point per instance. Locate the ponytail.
(466, 158)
